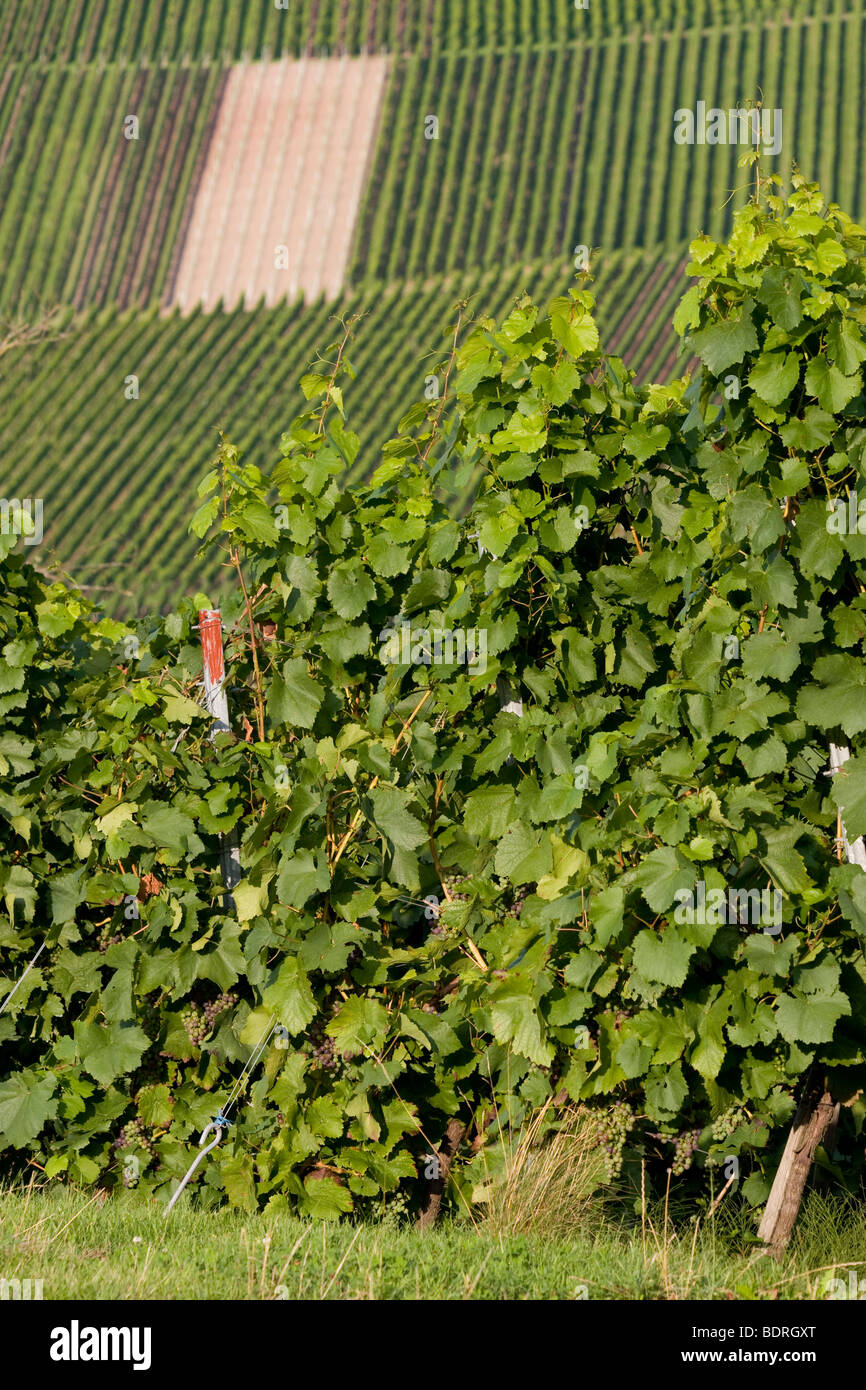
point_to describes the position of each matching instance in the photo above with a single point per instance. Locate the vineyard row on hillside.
(117, 473)
(80, 30)
(535, 152)
(89, 217)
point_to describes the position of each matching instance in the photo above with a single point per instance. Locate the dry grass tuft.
(553, 1168)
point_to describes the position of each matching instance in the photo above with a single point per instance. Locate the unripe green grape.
(611, 1131)
(725, 1124)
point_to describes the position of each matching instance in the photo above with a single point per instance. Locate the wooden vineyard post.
(817, 1114)
(216, 702)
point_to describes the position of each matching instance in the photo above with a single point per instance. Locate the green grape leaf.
(774, 376)
(723, 345)
(107, 1053)
(391, 815)
(295, 698)
(27, 1102)
(288, 995)
(827, 382)
(326, 1199)
(665, 958)
(812, 1019)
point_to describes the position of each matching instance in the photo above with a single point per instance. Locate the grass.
(549, 1179)
(85, 1246)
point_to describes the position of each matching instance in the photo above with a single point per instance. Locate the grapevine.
(576, 971)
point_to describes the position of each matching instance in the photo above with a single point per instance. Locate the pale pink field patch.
(276, 205)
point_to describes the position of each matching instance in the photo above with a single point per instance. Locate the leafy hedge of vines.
(673, 616)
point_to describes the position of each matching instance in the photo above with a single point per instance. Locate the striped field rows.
(281, 182)
(537, 152)
(552, 132)
(118, 475)
(87, 215)
(540, 151)
(232, 30)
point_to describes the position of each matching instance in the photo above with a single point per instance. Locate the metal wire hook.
(219, 1124)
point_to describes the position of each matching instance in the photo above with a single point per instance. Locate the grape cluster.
(612, 1131)
(107, 937)
(725, 1124)
(195, 1023)
(452, 883)
(324, 1056)
(438, 998)
(685, 1145)
(134, 1136)
(518, 899)
(396, 1208)
(215, 1007)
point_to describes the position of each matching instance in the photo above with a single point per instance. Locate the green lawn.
(83, 1246)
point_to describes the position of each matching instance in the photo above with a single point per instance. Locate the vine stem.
(346, 336)
(375, 782)
(714, 1207)
(435, 429)
(474, 952)
(436, 864)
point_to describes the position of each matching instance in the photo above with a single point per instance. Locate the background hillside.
(555, 130)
